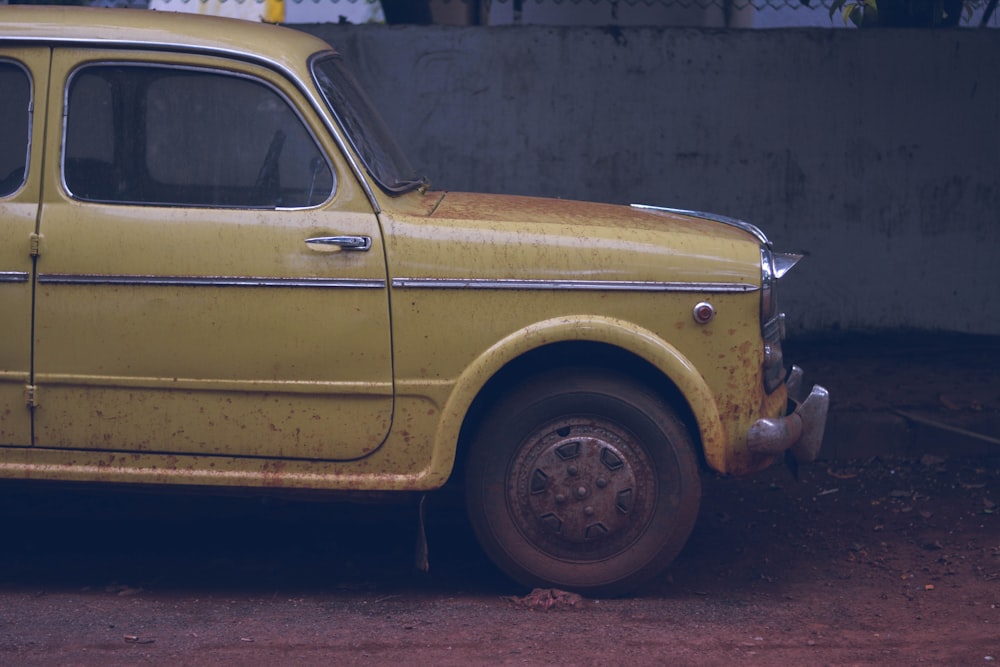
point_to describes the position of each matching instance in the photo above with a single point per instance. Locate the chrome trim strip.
(207, 281)
(120, 382)
(569, 285)
(14, 276)
(714, 217)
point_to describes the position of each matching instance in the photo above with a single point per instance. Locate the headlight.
(768, 295)
(772, 267)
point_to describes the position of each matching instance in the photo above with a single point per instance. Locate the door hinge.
(31, 395)
(36, 244)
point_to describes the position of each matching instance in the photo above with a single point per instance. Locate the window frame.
(29, 130)
(214, 69)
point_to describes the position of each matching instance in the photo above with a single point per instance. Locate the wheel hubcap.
(580, 489)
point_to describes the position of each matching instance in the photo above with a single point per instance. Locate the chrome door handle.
(328, 243)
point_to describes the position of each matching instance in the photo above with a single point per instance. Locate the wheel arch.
(584, 341)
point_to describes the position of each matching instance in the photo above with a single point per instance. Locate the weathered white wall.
(877, 152)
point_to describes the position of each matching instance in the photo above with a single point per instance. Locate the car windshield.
(364, 127)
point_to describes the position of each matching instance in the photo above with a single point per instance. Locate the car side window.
(172, 136)
(15, 124)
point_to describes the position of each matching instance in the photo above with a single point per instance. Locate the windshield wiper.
(407, 184)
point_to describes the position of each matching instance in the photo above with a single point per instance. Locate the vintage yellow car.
(218, 270)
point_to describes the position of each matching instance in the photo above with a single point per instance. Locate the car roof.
(106, 28)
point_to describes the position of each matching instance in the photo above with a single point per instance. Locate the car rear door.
(180, 308)
(22, 108)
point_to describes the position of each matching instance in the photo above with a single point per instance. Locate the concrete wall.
(876, 152)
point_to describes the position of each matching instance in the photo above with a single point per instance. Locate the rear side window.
(15, 124)
(172, 136)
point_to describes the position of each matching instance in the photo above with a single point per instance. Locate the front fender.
(611, 331)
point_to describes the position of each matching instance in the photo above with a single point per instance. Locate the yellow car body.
(348, 336)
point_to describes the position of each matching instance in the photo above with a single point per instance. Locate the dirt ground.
(887, 562)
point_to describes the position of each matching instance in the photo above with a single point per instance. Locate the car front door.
(182, 304)
(22, 107)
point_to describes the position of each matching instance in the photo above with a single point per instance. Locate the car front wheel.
(582, 480)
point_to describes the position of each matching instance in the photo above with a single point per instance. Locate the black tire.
(582, 480)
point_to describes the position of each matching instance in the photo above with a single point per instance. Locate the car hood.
(478, 236)
(509, 208)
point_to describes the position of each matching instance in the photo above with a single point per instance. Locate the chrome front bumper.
(801, 432)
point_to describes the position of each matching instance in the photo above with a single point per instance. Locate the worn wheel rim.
(581, 489)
